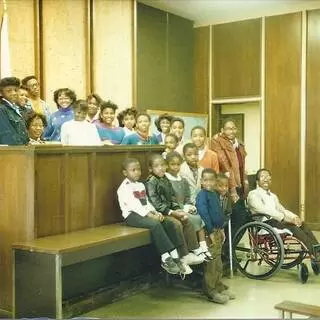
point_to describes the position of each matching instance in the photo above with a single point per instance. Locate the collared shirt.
(262, 201)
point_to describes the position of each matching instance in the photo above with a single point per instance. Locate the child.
(94, 102)
(79, 132)
(139, 212)
(105, 125)
(35, 122)
(222, 188)
(127, 120)
(182, 194)
(22, 102)
(177, 128)
(190, 169)
(64, 98)
(163, 125)
(162, 197)
(141, 136)
(207, 158)
(209, 209)
(170, 142)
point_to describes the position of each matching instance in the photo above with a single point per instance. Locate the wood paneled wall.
(236, 59)
(64, 46)
(282, 105)
(21, 17)
(86, 45)
(201, 72)
(164, 60)
(313, 129)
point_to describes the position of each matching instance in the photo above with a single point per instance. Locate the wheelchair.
(259, 251)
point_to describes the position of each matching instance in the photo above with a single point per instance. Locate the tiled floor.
(255, 299)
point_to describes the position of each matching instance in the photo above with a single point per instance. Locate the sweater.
(135, 138)
(56, 120)
(115, 135)
(132, 197)
(80, 133)
(208, 207)
(209, 159)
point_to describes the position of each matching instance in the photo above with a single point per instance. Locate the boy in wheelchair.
(261, 200)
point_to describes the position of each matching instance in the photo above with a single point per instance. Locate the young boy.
(208, 206)
(222, 188)
(139, 212)
(79, 132)
(170, 142)
(190, 169)
(207, 158)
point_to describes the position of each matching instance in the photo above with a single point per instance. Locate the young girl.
(35, 123)
(163, 125)
(141, 136)
(182, 193)
(161, 195)
(64, 98)
(139, 212)
(207, 158)
(170, 142)
(107, 131)
(127, 120)
(94, 102)
(80, 132)
(177, 128)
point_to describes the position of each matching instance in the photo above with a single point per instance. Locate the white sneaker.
(191, 259)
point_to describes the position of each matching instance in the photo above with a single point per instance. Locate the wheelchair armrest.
(259, 216)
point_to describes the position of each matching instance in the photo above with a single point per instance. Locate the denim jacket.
(13, 130)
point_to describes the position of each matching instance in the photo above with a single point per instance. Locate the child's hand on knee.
(181, 215)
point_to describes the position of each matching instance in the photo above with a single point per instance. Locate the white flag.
(5, 67)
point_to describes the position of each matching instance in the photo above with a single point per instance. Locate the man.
(231, 155)
(12, 126)
(35, 103)
(261, 200)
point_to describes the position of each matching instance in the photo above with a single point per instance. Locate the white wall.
(252, 131)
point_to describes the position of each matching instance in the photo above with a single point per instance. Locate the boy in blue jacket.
(210, 210)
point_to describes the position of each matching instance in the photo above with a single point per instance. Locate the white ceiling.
(204, 12)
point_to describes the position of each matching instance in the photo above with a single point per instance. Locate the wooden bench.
(292, 307)
(44, 268)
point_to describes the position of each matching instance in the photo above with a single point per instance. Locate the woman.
(35, 122)
(106, 129)
(64, 99)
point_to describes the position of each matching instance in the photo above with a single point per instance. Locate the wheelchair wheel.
(257, 250)
(294, 252)
(303, 273)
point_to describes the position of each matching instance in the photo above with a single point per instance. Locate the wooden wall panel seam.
(37, 41)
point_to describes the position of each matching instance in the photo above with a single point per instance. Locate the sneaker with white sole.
(230, 294)
(207, 256)
(170, 266)
(192, 259)
(219, 298)
(184, 268)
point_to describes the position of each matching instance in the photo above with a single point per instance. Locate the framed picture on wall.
(238, 119)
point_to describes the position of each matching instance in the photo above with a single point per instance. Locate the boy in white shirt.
(139, 212)
(79, 132)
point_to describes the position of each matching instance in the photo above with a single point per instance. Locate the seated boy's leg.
(159, 236)
(174, 230)
(190, 235)
(196, 221)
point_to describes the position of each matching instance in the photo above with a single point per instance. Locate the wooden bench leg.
(282, 314)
